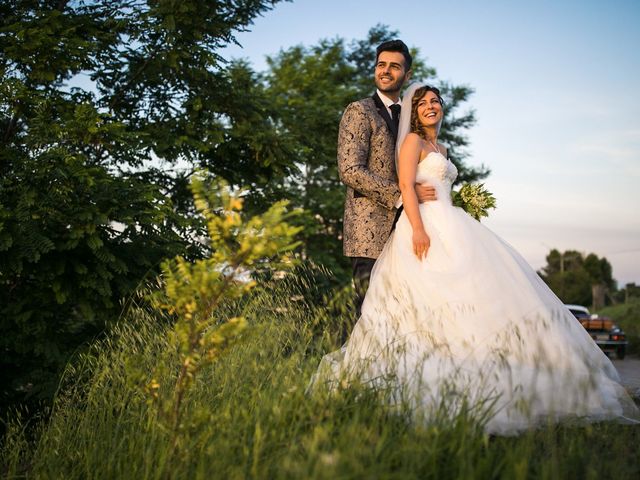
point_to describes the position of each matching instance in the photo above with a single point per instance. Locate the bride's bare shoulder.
(412, 149)
(413, 137)
(412, 140)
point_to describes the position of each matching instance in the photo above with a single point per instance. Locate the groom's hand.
(426, 193)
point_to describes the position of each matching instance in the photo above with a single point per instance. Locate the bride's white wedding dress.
(472, 325)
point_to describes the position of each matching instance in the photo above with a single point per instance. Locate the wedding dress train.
(472, 324)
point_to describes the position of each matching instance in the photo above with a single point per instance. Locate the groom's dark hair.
(395, 46)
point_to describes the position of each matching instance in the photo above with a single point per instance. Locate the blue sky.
(557, 97)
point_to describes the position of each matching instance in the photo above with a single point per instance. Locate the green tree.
(574, 277)
(99, 103)
(311, 86)
(629, 293)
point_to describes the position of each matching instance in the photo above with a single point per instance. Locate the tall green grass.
(248, 416)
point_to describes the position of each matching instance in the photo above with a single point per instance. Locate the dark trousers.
(361, 267)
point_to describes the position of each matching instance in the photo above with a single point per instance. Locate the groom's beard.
(393, 87)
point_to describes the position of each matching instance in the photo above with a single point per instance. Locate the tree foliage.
(99, 101)
(630, 292)
(572, 275)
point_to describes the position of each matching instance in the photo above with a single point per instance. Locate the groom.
(366, 162)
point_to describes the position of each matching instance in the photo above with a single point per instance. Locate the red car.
(609, 337)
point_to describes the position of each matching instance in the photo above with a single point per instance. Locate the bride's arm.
(407, 168)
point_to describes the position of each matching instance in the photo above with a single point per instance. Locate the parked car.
(608, 336)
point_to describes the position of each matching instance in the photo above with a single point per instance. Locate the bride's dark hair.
(416, 126)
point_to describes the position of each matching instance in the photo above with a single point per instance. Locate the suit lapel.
(382, 110)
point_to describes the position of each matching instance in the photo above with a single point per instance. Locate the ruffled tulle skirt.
(473, 326)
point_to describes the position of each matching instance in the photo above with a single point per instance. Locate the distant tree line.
(583, 279)
(630, 292)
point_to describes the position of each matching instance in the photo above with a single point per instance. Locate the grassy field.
(249, 416)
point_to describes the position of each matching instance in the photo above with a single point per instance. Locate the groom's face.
(390, 72)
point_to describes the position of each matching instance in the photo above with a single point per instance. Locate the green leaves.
(99, 101)
(237, 247)
(572, 275)
(195, 292)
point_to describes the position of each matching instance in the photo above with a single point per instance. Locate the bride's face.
(430, 110)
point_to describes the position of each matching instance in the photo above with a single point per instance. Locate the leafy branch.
(194, 291)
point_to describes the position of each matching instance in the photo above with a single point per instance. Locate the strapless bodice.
(436, 169)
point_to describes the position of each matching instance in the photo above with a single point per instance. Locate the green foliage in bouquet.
(474, 199)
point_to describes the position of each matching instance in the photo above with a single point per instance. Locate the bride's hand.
(421, 243)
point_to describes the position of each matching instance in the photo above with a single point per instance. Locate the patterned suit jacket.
(366, 163)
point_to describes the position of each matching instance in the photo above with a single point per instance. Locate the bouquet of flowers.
(474, 199)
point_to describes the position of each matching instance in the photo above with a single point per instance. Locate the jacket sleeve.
(354, 142)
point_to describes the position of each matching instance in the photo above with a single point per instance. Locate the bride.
(455, 317)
